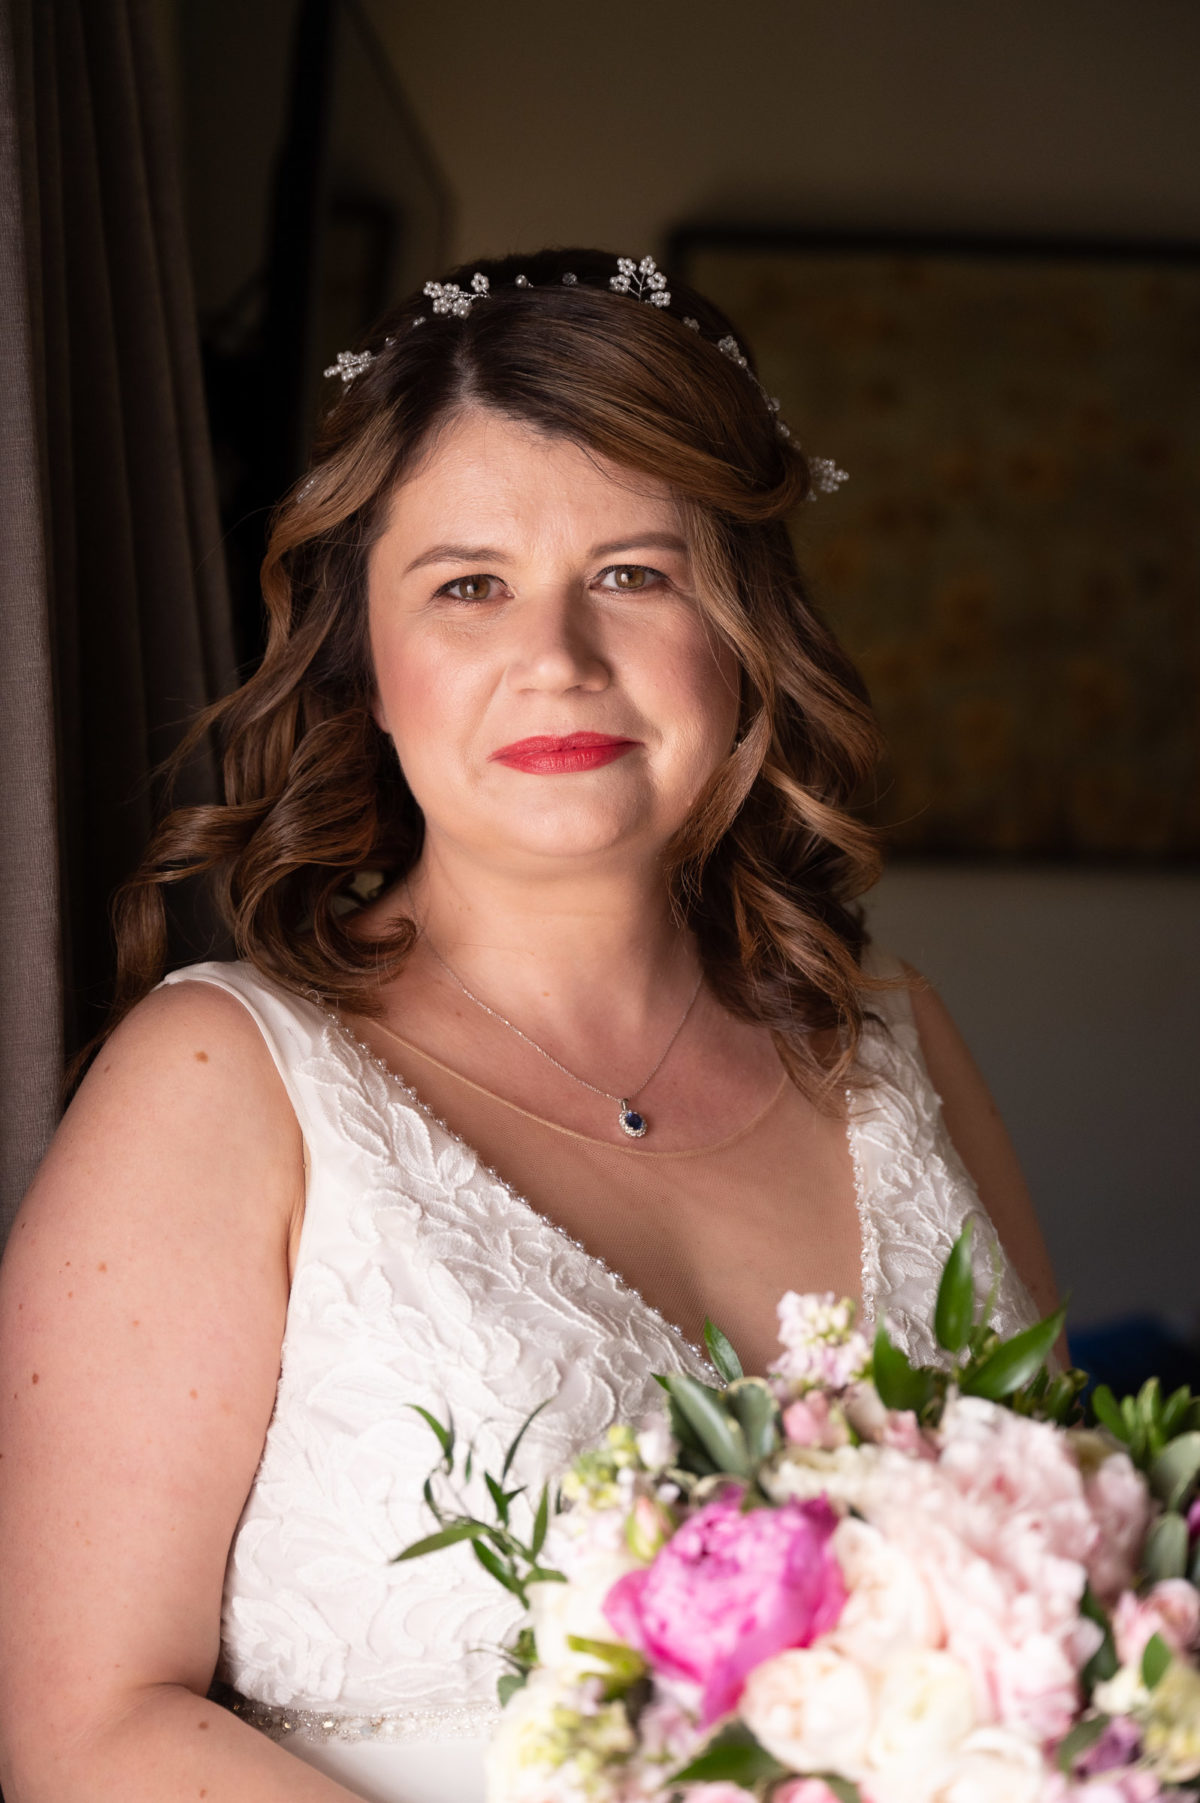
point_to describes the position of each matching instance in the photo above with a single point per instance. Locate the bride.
(603, 1051)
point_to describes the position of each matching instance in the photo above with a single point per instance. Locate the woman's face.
(541, 662)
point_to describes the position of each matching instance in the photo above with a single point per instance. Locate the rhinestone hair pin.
(640, 281)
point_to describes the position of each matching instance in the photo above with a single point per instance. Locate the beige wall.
(609, 122)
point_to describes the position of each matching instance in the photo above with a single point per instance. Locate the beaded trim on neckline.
(868, 1233)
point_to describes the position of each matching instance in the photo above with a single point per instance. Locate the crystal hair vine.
(644, 282)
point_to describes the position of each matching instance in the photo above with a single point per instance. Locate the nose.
(556, 644)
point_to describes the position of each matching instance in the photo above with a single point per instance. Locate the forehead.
(496, 474)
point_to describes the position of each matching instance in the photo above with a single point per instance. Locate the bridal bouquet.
(853, 1578)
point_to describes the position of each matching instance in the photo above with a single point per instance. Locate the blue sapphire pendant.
(632, 1122)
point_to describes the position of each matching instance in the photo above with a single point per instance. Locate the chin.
(562, 837)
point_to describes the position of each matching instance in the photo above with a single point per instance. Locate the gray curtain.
(114, 617)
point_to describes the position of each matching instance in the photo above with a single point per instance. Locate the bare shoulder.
(981, 1139)
(182, 1106)
(143, 1298)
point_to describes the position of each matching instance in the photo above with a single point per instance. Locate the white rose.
(513, 1766)
(576, 1607)
(889, 1606)
(993, 1765)
(926, 1708)
(811, 1708)
(656, 1444)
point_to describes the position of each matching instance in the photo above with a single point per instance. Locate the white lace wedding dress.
(422, 1278)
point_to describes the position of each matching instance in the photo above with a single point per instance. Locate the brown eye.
(630, 575)
(470, 588)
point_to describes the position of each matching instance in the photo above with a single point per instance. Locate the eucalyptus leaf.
(1175, 1469)
(720, 1351)
(622, 1661)
(1014, 1361)
(757, 1413)
(1166, 1550)
(1103, 1663)
(954, 1315)
(541, 1522)
(1082, 1736)
(498, 1496)
(898, 1384)
(432, 1543)
(528, 1422)
(1175, 1409)
(843, 1790)
(445, 1434)
(733, 1756)
(719, 1434)
(496, 1569)
(1107, 1411)
(508, 1684)
(1156, 1657)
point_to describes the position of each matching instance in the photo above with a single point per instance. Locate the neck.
(600, 953)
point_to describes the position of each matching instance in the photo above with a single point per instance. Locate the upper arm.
(981, 1141)
(142, 1302)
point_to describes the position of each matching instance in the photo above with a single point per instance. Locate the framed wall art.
(1015, 561)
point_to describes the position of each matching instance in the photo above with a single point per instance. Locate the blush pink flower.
(729, 1590)
(804, 1790)
(810, 1421)
(1120, 1505)
(1171, 1608)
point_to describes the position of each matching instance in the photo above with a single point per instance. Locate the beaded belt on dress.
(464, 1721)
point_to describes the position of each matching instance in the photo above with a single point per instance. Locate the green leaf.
(445, 1435)
(898, 1384)
(511, 1454)
(432, 1543)
(542, 1574)
(508, 1684)
(1155, 1659)
(1014, 1362)
(499, 1498)
(624, 1664)
(1076, 1743)
(541, 1522)
(1175, 1409)
(843, 1790)
(1108, 1413)
(735, 1756)
(721, 1352)
(493, 1566)
(1166, 1550)
(1175, 1470)
(1103, 1663)
(720, 1435)
(757, 1413)
(954, 1315)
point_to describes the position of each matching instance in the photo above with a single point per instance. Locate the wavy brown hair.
(766, 868)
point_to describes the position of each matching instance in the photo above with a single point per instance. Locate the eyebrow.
(481, 554)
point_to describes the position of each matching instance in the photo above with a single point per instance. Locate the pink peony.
(730, 1590)
(998, 1530)
(1120, 1504)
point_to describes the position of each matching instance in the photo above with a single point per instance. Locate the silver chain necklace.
(631, 1120)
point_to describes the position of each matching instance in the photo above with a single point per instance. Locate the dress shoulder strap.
(291, 1026)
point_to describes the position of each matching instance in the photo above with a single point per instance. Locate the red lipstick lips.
(546, 756)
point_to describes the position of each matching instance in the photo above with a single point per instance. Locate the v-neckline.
(407, 1094)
